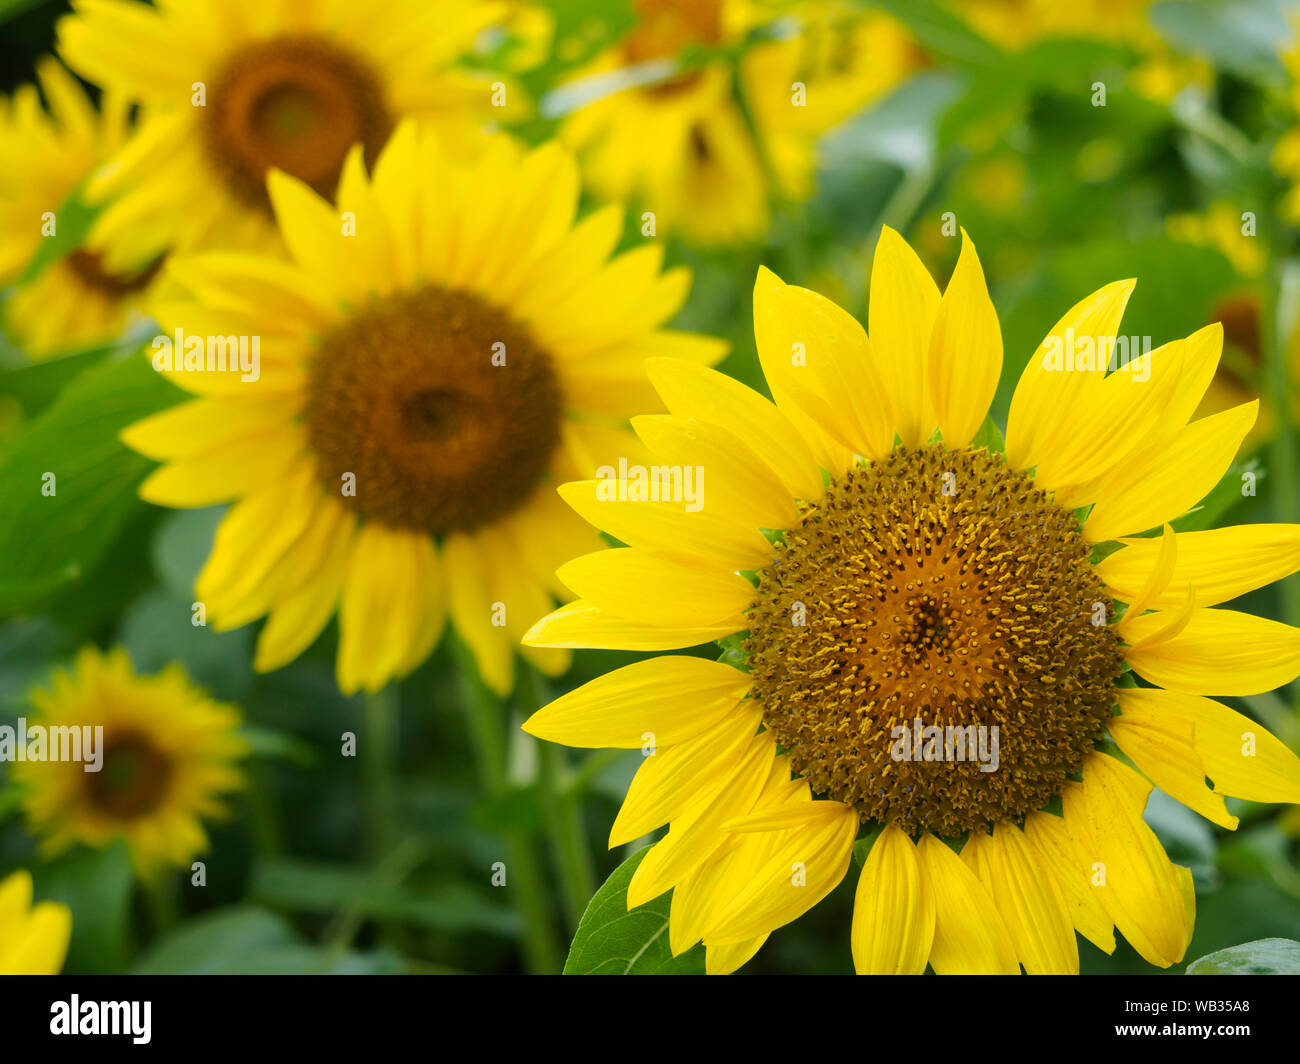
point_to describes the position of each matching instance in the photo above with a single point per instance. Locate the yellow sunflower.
(1162, 72)
(33, 938)
(932, 648)
(233, 88)
(167, 754)
(424, 384)
(75, 301)
(682, 147)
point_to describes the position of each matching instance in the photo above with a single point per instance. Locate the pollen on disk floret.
(938, 588)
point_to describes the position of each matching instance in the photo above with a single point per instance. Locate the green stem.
(563, 814)
(485, 718)
(163, 904)
(379, 768)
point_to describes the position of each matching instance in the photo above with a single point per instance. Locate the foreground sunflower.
(682, 146)
(233, 88)
(932, 649)
(424, 384)
(33, 938)
(168, 754)
(75, 301)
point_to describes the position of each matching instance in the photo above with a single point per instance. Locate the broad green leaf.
(1238, 35)
(1268, 956)
(69, 484)
(96, 886)
(939, 29)
(246, 940)
(610, 940)
(315, 886)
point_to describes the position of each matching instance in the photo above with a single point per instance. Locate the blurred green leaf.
(1238, 35)
(610, 940)
(96, 885)
(315, 886)
(1268, 956)
(49, 540)
(246, 940)
(938, 28)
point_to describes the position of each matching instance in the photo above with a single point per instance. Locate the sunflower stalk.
(562, 813)
(485, 718)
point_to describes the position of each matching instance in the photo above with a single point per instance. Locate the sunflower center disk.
(296, 103)
(941, 587)
(442, 409)
(133, 778)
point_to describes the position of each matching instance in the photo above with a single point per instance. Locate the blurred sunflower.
(681, 145)
(33, 939)
(232, 88)
(424, 385)
(169, 753)
(75, 301)
(1161, 73)
(931, 582)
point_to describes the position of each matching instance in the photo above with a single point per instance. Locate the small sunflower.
(33, 938)
(424, 384)
(898, 584)
(233, 88)
(683, 148)
(75, 301)
(168, 754)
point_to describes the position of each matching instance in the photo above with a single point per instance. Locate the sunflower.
(682, 146)
(1161, 73)
(424, 385)
(33, 939)
(75, 301)
(233, 88)
(936, 633)
(168, 753)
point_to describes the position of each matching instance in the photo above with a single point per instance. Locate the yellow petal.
(904, 302)
(640, 586)
(723, 960)
(734, 482)
(1165, 751)
(660, 701)
(1220, 563)
(1049, 835)
(969, 936)
(683, 777)
(1218, 652)
(1040, 417)
(582, 625)
(965, 351)
(668, 528)
(1166, 482)
(818, 357)
(1129, 871)
(695, 391)
(1241, 756)
(1018, 877)
(893, 911)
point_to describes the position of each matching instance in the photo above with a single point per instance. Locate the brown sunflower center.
(296, 103)
(133, 779)
(665, 28)
(930, 644)
(432, 411)
(90, 271)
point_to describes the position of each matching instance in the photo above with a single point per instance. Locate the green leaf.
(1267, 956)
(316, 886)
(72, 222)
(96, 886)
(940, 30)
(613, 941)
(1238, 35)
(47, 541)
(246, 940)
